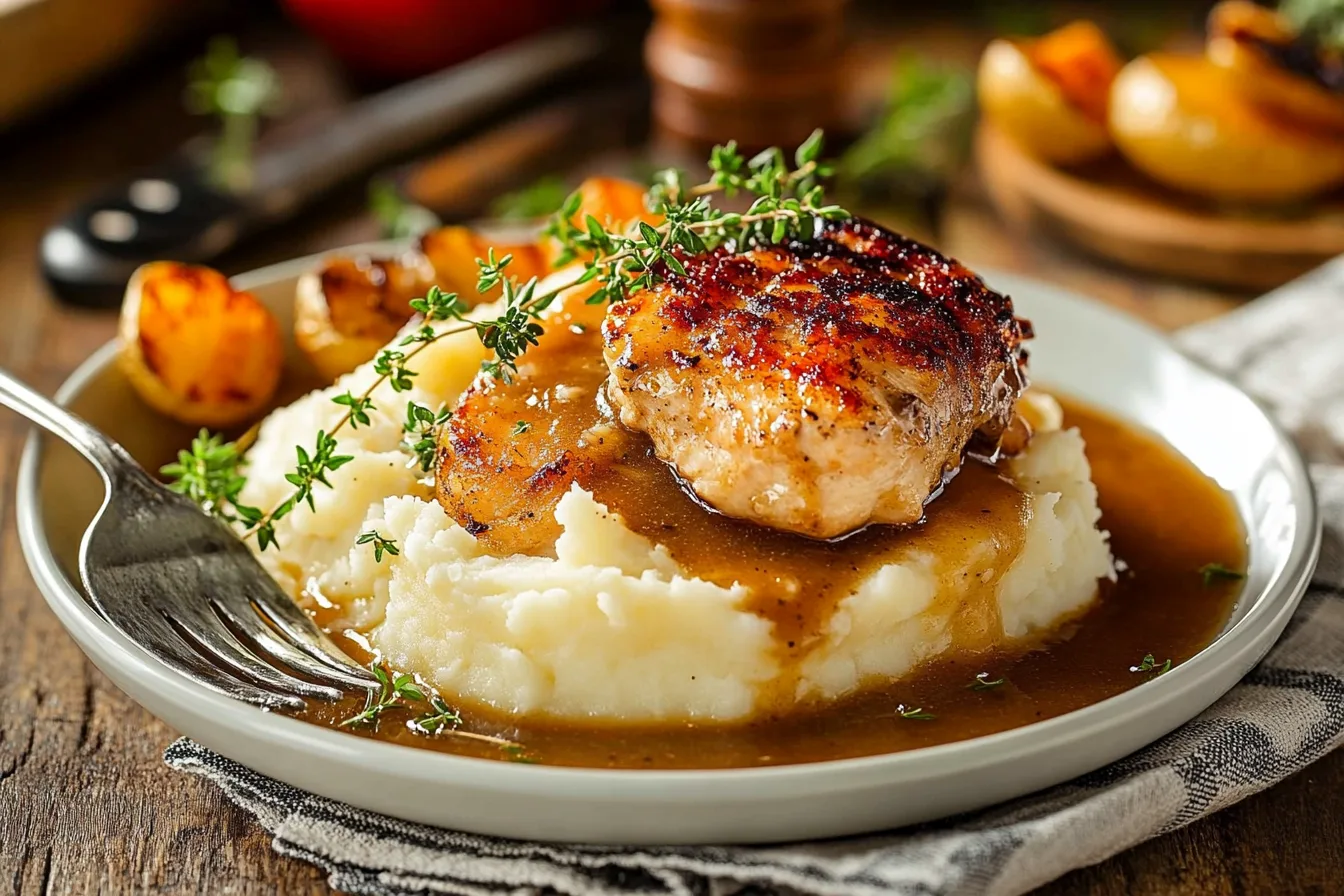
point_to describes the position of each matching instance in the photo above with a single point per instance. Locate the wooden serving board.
(1108, 209)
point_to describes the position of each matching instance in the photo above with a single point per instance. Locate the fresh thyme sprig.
(239, 90)
(394, 690)
(400, 691)
(209, 474)
(439, 717)
(359, 408)
(380, 544)
(310, 471)
(421, 428)
(788, 203)
(443, 719)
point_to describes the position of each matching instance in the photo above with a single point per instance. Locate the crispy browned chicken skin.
(818, 386)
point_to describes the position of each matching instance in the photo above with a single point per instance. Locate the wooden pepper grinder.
(761, 72)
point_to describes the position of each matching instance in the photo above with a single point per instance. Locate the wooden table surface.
(86, 804)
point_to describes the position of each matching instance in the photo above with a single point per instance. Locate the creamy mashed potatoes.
(612, 627)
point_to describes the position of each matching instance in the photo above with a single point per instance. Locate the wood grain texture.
(86, 805)
(1111, 211)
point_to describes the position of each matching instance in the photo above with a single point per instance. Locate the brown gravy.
(1166, 521)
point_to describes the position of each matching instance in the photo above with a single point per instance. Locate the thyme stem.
(788, 203)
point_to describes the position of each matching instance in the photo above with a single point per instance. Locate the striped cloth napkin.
(1285, 349)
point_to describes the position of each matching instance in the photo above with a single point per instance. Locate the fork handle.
(101, 451)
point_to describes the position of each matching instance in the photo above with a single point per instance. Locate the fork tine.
(206, 631)
(306, 636)
(153, 632)
(252, 625)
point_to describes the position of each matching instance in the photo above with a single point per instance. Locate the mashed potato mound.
(611, 627)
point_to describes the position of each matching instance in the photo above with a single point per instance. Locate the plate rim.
(1251, 636)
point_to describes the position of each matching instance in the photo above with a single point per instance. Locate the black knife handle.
(174, 212)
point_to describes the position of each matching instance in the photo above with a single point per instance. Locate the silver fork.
(184, 587)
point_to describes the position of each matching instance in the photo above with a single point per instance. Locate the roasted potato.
(1049, 95)
(351, 307)
(195, 348)
(1253, 44)
(452, 252)
(1181, 120)
(612, 201)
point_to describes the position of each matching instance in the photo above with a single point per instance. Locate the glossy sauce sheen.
(1166, 521)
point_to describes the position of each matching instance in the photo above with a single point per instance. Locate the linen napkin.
(1287, 349)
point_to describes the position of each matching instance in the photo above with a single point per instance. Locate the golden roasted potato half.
(348, 310)
(1273, 69)
(612, 201)
(1049, 95)
(1181, 121)
(452, 253)
(195, 348)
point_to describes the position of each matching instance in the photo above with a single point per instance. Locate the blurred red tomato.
(406, 38)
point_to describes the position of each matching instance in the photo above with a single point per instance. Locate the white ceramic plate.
(1089, 351)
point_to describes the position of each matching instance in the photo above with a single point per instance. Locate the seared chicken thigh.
(817, 386)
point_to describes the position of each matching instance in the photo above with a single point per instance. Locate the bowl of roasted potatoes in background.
(1236, 150)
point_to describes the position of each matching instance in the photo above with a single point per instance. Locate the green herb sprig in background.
(398, 217)
(920, 139)
(210, 473)
(538, 199)
(239, 91)
(394, 690)
(1321, 20)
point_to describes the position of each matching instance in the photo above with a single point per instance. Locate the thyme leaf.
(1149, 664)
(210, 474)
(422, 426)
(1212, 573)
(380, 544)
(982, 682)
(394, 690)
